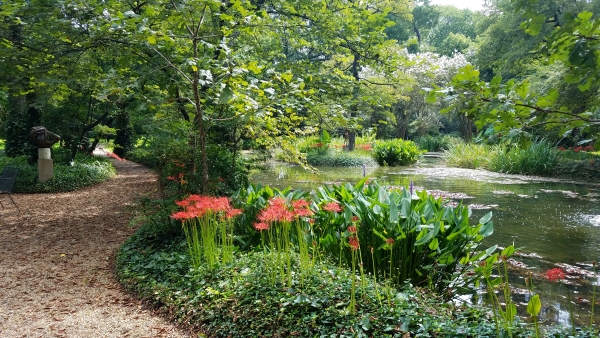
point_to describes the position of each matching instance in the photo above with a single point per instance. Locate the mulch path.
(57, 262)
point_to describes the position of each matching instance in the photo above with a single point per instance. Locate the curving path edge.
(57, 262)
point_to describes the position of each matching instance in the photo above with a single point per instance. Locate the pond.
(553, 222)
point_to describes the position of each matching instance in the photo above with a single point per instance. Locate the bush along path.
(57, 257)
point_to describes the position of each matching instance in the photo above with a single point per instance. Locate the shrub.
(180, 168)
(396, 152)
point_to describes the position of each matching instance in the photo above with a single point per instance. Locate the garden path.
(57, 262)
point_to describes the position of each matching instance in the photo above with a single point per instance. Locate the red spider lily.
(352, 229)
(276, 211)
(183, 215)
(171, 178)
(311, 221)
(389, 241)
(353, 242)
(303, 213)
(199, 206)
(317, 145)
(332, 206)
(301, 208)
(231, 213)
(555, 274)
(355, 219)
(261, 226)
(299, 204)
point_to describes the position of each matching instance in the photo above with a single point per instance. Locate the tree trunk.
(200, 121)
(401, 120)
(466, 127)
(354, 109)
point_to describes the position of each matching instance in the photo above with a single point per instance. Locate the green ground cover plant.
(86, 170)
(238, 299)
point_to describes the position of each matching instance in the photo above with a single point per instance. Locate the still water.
(554, 222)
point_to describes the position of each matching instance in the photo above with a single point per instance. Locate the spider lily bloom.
(555, 274)
(261, 226)
(332, 206)
(353, 242)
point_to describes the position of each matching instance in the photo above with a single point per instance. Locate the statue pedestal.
(45, 165)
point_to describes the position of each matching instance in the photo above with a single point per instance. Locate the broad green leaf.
(486, 218)
(534, 305)
(434, 244)
(487, 229)
(226, 95)
(393, 211)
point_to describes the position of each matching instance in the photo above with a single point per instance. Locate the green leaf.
(226, 95)
(487, 229)
(430, 98)
(254, 68)
(486, 218)
(534, 305)
(434, 244)
(393, 211)
(152, 39)
(508, 251)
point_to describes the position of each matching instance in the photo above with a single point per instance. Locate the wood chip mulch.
(57, 257)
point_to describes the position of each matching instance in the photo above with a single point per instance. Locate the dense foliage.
(248, 295)
(238, 298)
(340, 159)
(396, 152)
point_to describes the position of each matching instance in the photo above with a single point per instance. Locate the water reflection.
(557, 220)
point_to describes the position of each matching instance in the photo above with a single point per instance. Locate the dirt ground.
(57, 258)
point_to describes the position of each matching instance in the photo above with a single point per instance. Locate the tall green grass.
(435, 143)
(540, 158)
(470, 155)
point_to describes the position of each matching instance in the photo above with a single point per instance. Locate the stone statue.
(43, 138)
